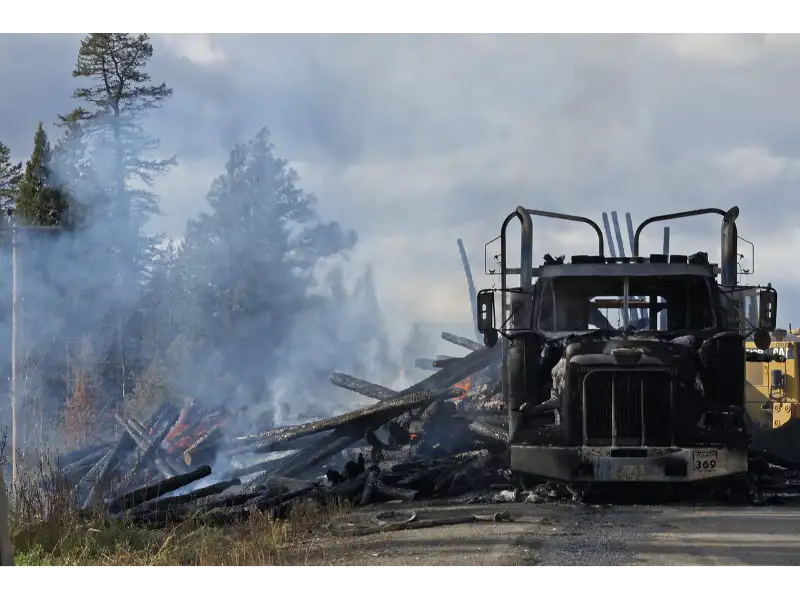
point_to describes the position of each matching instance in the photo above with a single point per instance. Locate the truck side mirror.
(762, 339)
(767, 309)
(485, 316)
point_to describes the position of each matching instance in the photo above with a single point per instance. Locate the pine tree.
(119, 96)
(249, 262)
(40, 202)
(10, 176)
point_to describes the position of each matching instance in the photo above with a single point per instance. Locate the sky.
(416, 140)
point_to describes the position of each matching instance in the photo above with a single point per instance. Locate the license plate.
(630, 472)
(704, 461)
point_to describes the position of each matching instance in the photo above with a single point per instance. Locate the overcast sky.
(414, 141)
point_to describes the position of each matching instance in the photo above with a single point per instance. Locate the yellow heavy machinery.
(772, 393)
(772, 388)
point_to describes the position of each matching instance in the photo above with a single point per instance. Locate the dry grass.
(259, 541)
(47, 530)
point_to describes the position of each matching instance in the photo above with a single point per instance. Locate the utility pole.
(16, 322)
(14, 334)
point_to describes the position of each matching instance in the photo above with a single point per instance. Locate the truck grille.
(626, 407)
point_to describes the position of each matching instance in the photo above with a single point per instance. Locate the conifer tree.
(10, 176)
(40, 202)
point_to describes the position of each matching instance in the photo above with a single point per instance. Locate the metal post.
(14, 344)
(662, 317)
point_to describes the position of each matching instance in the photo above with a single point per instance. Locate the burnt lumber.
(139, 496)
(410, 444)
(462, 341)
(359, 386)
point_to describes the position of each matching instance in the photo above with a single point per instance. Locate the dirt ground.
(550, 534)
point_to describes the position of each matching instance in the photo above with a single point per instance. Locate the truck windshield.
(654, 303)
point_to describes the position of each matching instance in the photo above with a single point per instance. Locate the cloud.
(416, 140)
(194, 47)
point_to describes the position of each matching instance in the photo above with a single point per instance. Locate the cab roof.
(654, 265)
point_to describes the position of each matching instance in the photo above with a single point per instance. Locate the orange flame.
(464, 385)
(413, 436)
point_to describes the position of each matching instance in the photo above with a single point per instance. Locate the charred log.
(359, 386)
(150, 492)
(462, 341)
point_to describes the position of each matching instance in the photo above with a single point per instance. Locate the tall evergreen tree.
(117, 95)
(40, 202)
(10, 176)
(249, 262)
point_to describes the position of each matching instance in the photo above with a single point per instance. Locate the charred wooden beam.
(77, 457)
(271, 499)
(265, 444)
(124, 444)
(350, 488)
(87, 460)
(87, 481)
(489, 432)
(369, 488)
(443, 363)
(458, 371)
(163, 504)
(365, 388)
(210, 437)
(462, 341)
(353, 429)
(388, 492)
(144, 444)
(258, 467)
(152, 445)
(150, 492)
(362, 418)
(426, 364)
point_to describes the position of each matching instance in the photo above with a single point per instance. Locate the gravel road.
(549, 534)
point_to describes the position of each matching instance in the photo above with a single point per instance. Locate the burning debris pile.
(442, 437)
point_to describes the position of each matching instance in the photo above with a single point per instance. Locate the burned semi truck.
(633, 400)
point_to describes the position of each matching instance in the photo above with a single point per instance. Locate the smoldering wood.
(163, 504)
(166, 470)
(426, 364)
(376, 415)
(152, 446)
(369, 488)
(443, 363)
(457, 372)
(270, 499)
(264, 444)
(258, 467)
(144, 445)
(149, 492)
(95, 492)
(303, 461)
(462, 341)
(81, 456)
(352, 432)
(359, 386)
(88, 460)
(212, 436)
(489, 432)
(387, 492)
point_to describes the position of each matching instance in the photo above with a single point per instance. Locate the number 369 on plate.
(705, 460)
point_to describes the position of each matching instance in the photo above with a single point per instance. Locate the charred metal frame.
(525, 269)
(728, 239)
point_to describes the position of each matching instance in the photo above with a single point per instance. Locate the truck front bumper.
(606, 464)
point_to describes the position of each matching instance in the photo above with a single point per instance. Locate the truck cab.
(598, 388)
